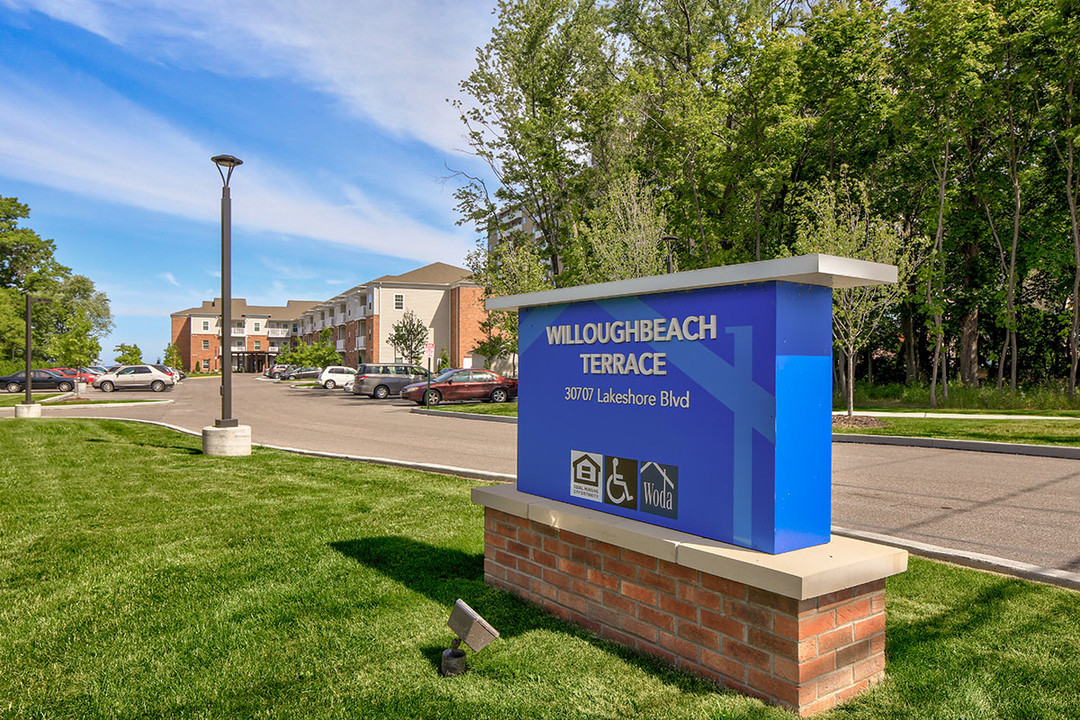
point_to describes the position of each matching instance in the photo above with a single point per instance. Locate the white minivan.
(336, 375)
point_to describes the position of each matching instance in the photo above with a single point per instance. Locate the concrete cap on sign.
(800, 574)
(824, 270)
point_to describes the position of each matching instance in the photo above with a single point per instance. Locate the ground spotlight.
(471, 629)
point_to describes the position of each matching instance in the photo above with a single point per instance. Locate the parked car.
(302, 373)
(381, 380)
(334, 375)
(39, 380)
(176, 374)
(128, 377)
(73, 373)
(463, 384)
(276, 371)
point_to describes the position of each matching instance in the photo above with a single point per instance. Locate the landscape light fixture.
(471, 629)
(222, 162)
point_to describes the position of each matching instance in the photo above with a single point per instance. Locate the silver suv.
(126, 377)
(381, 380)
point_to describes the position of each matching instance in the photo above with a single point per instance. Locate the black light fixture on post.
(28, 408)
(669, 239)
(227, 437)
(223, 162)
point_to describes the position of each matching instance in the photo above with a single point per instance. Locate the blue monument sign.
(698, 401)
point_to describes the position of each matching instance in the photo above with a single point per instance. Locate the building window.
(258, 345)
(205, 325)
(205, 365)
(205, 344)
(399, 302)
(257, 326)
(240, 344)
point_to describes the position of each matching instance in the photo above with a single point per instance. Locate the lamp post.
(223, 162)
(669, 239)
(227, 436)
(28, 408)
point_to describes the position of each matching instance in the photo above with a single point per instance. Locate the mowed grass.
(13, 399)
(506, 409)
(1013, 430)
(139, 578)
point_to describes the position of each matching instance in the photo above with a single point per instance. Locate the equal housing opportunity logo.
(647, 486)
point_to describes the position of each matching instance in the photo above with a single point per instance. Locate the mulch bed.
(856, 421)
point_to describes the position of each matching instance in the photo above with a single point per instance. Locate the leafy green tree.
(532, 90)
(128, 354)
(510, 268)
(837, 220)
(408, 337)
(172, 356)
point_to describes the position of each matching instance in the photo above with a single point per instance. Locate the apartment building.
(258, 334)
(360, 321)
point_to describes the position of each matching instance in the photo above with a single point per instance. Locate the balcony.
(238, 332)
(361, 343)
(278, 332)
(341, 346)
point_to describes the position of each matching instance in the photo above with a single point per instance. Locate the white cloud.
(169, 278)
(89, 140)
(393, 63)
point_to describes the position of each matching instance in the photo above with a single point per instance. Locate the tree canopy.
(610, 124)
(67, 330)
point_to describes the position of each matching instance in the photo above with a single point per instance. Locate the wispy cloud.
(94, 142)
(376, 57)
(169, 278)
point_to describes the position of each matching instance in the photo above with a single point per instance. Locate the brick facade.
(466, 314)
(806, 655)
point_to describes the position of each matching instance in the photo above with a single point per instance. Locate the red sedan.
(458, 384)
(73, 373)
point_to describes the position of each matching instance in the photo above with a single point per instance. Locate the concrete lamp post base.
(24, 410)
(227, 441)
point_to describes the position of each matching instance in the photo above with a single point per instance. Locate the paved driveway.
(1016, 507)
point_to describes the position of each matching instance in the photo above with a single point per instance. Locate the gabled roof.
(434, 274)
(293, 310)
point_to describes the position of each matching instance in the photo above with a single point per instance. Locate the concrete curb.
(1052, 576)
(464, 415)
(1047, 451)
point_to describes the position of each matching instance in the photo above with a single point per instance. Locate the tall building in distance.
(360, 321)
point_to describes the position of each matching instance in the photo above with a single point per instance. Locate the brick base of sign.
(807, 655)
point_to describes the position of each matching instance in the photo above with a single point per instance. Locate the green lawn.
(13, 399)
(139, 578)
(1019, 430)
(507, 409)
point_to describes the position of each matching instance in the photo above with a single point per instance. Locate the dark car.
(463, 384)
(39, 380)
(302, 373)
(381, 380)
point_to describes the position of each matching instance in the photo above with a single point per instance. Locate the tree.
(510, 268)
(172, 356)
(533, 90)
(408, 337)
(320, 354)
(128, 354)
(837, 220)
(624, 232)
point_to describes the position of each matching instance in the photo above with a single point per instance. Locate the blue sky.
(111, 109)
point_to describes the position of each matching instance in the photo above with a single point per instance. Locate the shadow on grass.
(444, 575)
(999, 636)
(160, 446)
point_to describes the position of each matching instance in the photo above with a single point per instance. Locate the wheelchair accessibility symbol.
(620, 482)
